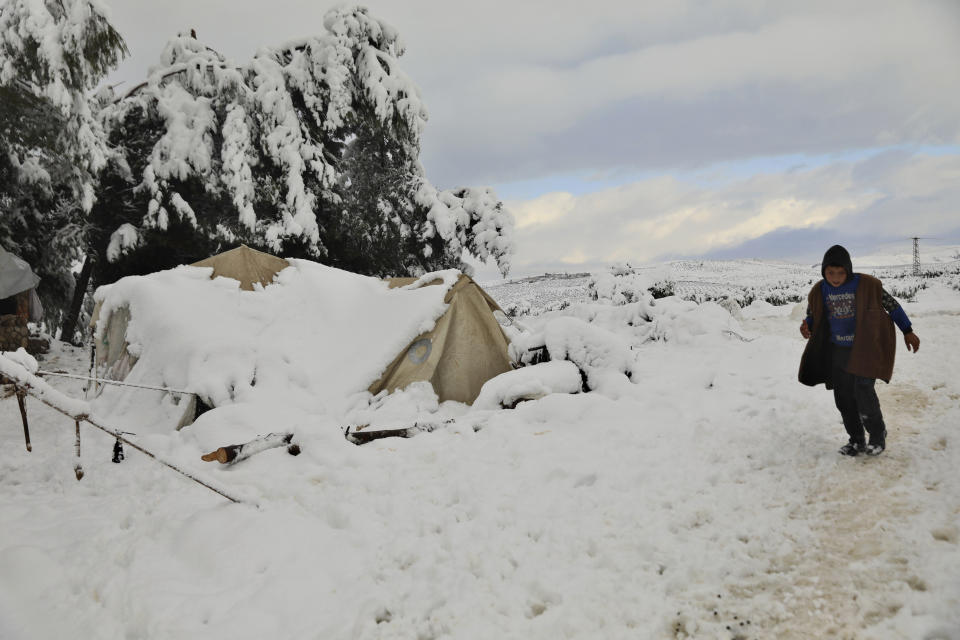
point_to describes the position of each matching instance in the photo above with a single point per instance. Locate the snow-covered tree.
(52, 54)
(309, 149)
(57, 51)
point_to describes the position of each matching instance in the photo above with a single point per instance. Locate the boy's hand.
(805, 330)
(912, 341)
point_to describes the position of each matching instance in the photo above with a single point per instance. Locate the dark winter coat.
(874, 342)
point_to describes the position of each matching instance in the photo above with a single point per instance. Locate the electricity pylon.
(916, 256)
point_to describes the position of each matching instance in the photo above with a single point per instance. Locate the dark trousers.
(857, 400)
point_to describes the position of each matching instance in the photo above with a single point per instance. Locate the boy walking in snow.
(850, 343)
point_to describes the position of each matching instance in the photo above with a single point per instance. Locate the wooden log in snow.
(360, 436)
(234, 453)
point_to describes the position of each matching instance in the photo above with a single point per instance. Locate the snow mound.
(683, 321)
(20, 367)
(528, 383)
(24, 359)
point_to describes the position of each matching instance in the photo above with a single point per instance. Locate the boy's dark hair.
(837, 256)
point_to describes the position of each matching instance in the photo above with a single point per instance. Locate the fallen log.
(360, 436)
(234, 453)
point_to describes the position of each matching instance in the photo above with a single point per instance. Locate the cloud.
(818, 81)
(881, 197)
(521, 90)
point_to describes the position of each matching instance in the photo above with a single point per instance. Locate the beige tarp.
(465, 349)
(246, 265)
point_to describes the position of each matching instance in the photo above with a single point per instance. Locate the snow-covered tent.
(247, 266)
(18, 301)
(465, 348)
(291, 332)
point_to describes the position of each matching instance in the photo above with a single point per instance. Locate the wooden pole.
(119, 437)
(77, 468)
(22, 401)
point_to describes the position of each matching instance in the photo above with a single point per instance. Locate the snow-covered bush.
(623, 284)
(528, 383)
(777, 294)
(662, 288)
(616, 289)
(905, 288)
(592, 348)
(588, 346)
(516, 309)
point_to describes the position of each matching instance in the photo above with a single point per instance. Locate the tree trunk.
(69, 326)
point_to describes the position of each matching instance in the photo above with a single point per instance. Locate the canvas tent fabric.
(313, 339)
(466, 348)
(246, 265)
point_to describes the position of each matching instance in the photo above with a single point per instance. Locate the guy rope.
(60, 374)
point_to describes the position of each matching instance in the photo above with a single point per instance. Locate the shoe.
(852, 448)
(877, 445)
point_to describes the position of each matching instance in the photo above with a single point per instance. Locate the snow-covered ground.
(704, 499)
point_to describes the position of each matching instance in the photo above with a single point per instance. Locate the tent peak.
(246, 265)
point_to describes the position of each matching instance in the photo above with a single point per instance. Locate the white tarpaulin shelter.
(294, 332)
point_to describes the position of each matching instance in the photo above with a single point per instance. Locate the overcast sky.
(639, 131)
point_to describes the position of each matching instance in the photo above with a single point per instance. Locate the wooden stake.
(22, 401)
(77, 469)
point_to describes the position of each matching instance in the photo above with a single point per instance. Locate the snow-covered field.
(704, 498)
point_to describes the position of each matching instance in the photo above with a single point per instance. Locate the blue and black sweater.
(841, 311)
